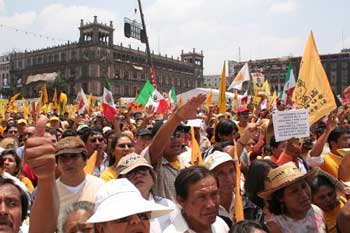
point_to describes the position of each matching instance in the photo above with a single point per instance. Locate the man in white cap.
(120, 208)
(222, 165)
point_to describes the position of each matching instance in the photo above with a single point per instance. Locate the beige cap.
(131, 161)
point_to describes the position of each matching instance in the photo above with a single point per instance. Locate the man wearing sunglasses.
(96, 145)
(116, 213)
(74, 185)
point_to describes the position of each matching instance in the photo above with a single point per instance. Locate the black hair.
(318, 181)
(336, 134)
(22, 196)
(68, 133)
(189, 176)
(17, 159)
(276, 206)
(255, 180)
(273, 143)
(225, 127)
(220, 146)
(111, 159)
(88, 132)
(248, 226)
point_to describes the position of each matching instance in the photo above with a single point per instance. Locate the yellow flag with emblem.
(312, 90)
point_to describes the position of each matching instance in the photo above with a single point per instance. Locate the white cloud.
(284, 7)
(2, 5)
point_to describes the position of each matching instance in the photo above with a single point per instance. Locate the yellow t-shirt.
(331, 164)
(109, 174)
(331, 216)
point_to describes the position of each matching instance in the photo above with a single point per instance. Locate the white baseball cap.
(217, 158)
(120, 198)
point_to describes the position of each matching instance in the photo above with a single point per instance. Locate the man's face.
(202, 204)
(28, 133)
(343, 141)
(9, 163)
(244, 116)
(137, 223)
(70, 164)
(12, 132)
(226, 175)
(10, 209)
(95, 142)
(76, 222)
(173, 146)
(142, 142)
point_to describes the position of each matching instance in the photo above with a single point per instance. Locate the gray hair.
(80, 205)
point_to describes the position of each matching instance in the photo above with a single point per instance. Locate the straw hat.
(282, 177)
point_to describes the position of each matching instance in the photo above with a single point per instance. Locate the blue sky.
(261, 28)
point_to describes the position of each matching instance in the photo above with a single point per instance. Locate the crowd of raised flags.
(311, 90)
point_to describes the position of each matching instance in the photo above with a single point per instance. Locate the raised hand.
(40, 152)
(188, 111)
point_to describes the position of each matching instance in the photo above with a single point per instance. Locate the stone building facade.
(4, 75)
(337, 67)
(88, 62)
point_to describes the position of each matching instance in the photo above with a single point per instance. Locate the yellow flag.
(196, 155)
(54, 100)
(235, 101)
(312, 90)
(222, 91)
(25, 109)
(209, 100)
(273, 99)
(11, 106)
(267, 88)
(181, 101)
(90, 164)
(238, 212)
(90, 104)
(63, 103)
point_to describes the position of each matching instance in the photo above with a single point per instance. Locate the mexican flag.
(172, 96)
(149, 96)
(289, 85)
(82, 101)
(107, 102)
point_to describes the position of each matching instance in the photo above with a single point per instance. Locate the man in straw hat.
(289, 201)
(120, 208)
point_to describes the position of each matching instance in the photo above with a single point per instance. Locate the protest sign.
(291, 124)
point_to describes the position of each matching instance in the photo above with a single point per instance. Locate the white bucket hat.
(120, 198)
(217, 158)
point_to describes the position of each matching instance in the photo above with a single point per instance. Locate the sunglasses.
(143, 171)
(94, 140)
(143, 216)
(125, 145)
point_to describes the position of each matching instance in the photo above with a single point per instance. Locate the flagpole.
(149, 57)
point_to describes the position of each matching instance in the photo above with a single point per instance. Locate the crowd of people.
(136, 173)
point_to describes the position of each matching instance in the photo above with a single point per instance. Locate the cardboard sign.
(291, 124)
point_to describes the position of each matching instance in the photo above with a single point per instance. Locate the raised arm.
(186, 112)
(317, 148)
(40, 156)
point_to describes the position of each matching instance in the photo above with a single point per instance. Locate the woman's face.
(325, 198)
(9, 164)
(297, 198)
(123, 147)
(142, 178)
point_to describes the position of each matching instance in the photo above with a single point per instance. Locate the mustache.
(5, 220)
